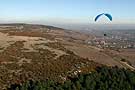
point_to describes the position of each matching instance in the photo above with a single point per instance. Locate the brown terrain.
(46, 52)
(129, 54)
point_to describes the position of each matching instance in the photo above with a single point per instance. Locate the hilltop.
(36, 52)
(40, 52)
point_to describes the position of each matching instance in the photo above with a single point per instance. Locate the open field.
(129, 54)
(37, 55)
(93, 54)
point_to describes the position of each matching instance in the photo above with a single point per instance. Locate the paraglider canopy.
(103, 14)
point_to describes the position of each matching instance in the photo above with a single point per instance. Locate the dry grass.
(129, 55)
(28, 57)
(93, 54)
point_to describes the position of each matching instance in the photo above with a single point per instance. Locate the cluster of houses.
(111, 43)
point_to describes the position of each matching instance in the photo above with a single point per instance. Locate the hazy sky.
(66, 11)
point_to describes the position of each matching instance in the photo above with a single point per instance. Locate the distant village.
(113, 41)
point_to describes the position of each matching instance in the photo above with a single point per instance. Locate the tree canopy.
(104, 78)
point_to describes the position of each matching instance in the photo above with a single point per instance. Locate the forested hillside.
(103, 78)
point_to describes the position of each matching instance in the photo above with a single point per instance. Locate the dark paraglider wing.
(109, 16)
(106, 14)
(98, 16)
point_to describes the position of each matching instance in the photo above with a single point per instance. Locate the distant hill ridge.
(31, 25)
